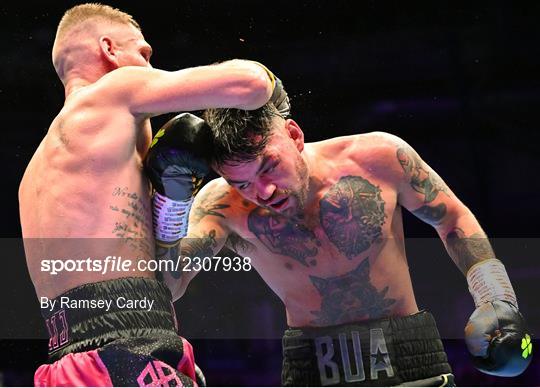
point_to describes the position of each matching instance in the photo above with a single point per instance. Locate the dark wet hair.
(239, 135)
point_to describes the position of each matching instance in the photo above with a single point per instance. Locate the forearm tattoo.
(467, 251)
(238, 244)
(421, 179)
(203, 246)
(350, 297)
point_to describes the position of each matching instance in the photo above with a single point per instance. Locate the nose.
(265, 192)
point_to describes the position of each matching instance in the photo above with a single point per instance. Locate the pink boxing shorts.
(117, 347)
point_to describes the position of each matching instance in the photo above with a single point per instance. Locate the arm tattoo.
(188, 247)
(432, 215)
(238, 244)
(350, 297)
(352, 215)
(422, 180)
(283, 237)
(467, 251)
(209, 206)
(199, 247)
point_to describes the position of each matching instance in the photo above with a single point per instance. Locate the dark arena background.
(459, 81)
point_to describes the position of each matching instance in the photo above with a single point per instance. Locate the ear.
(295, 133)
(108, 50)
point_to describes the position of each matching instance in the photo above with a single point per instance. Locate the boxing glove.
(496, 333)
(176, 165)
(280, 99)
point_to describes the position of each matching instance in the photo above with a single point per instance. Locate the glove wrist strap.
(170, 218)
(488, 281)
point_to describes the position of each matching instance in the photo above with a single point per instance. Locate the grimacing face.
(278, 178)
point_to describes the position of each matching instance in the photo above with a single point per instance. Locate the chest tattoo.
(350, 297)
(283, 237)
(352, 215)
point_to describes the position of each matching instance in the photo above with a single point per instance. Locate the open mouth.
(279, 204)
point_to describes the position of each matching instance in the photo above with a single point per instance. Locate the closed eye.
(270, 168)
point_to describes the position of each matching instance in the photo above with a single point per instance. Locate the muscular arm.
(233, 84)
(496, 331)
(206, 235)
(424, 193)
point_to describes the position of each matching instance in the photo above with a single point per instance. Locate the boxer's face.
(132, 49)
(278, 178)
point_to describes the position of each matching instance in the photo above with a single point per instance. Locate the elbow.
(453, 218)
(255, 89)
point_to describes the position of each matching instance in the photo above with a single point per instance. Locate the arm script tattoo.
(133, 220)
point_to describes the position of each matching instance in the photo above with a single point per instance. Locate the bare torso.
(84, 194)
(347, 261)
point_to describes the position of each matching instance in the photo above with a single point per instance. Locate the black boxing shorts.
(115, 345)
(390, 351)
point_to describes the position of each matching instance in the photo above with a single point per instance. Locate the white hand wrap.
(488, 281)
(170, 218)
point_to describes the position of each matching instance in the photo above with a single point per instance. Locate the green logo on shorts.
(526, 346)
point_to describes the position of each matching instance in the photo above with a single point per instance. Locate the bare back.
(84, 194)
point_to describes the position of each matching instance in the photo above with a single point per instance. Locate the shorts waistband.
(406, 325)
(404, 349)
(91, 315)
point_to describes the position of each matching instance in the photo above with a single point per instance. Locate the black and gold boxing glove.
(176, 165)
(280, 99)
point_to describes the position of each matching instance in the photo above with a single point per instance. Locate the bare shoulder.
(379, 152)
(218, 201)
(119, 85)
(371, 146)
(108, 91)
(379, 140)
(377, 145)
(212, 191)
(366, 142)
